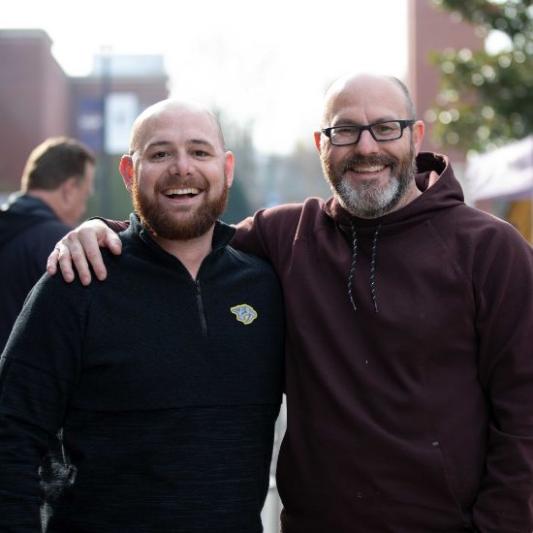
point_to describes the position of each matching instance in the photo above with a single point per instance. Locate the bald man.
(409, 364)
(167, 378)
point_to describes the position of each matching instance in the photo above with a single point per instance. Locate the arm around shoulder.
(269, 232)
(79, 251)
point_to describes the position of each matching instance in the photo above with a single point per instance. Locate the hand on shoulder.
(79, 250)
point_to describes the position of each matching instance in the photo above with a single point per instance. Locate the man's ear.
(419, 129)
(125, 167)
(68, 189)
(229, 167)
(317, 136)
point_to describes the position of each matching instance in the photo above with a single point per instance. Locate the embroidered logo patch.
(244, 313)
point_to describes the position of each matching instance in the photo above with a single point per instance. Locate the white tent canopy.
(506, 172)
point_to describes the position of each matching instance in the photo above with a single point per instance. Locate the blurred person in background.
(167, 379)
(409, 361)
(56, 184)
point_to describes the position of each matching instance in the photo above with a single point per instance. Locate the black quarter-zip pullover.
(167, 394)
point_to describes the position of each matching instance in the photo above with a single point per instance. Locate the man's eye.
(201, 153)
(385, 128)
(348, 130)
(159, 155)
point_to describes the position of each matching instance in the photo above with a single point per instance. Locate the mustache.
(370, 160)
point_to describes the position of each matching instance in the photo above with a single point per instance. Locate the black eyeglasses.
(389, 130)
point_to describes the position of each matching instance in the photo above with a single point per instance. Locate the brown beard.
(162, 224)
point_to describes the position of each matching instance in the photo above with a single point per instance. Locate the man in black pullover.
(167, 378)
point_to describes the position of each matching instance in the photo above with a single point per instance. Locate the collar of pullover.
(222, 235)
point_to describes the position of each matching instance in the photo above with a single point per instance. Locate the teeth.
(368, 169)
(179, 192)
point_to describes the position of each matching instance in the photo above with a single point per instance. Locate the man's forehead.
(373, 95)
(176, 127)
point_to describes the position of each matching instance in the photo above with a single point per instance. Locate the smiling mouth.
(367, 169)
(189, 192)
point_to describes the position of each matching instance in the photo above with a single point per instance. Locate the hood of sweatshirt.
(446, 192)
(21, 212)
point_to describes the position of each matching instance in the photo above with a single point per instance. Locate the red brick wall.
(38, 100)
(431, 29)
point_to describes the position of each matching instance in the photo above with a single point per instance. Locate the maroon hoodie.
(410, 394)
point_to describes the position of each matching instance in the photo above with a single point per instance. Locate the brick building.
(431, 29)
(38, 99)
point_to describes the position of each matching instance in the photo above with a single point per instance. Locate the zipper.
(201, 310)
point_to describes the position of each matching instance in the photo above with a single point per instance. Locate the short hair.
(53, 162)
(408, 100)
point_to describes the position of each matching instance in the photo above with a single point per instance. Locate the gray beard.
(370, 199)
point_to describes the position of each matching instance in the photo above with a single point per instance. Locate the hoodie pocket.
(452, 482)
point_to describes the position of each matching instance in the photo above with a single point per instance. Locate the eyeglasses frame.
(404, 123)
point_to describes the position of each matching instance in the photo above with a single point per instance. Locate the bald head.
(387, 88)
(171, 112)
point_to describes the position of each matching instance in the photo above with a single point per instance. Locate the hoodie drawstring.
(352, 266)
(373, 269)
(351, 274)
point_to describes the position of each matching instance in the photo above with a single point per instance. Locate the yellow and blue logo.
(244, 313)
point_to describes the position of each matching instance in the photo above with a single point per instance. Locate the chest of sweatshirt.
(156, 338)
(421, 337)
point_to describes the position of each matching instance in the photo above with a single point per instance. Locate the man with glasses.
(409, 363)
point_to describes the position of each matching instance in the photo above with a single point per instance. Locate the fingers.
(51, 262)
(72, 256)
(79, 251)
(112, 241)
(85, 251)
(61, 256)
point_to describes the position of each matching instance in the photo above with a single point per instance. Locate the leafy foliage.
(485, 100)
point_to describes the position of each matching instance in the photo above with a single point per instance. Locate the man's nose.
(367, 144)
(181, 165)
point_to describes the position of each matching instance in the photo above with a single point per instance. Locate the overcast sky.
(266, 62)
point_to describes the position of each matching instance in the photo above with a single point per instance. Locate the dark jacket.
(167, 389)
(414, 412)
(29, 230)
